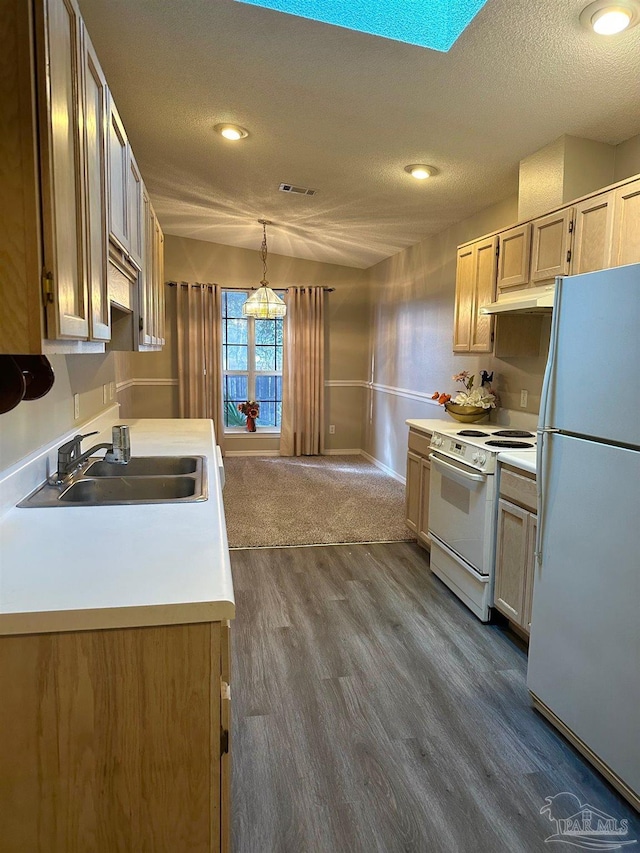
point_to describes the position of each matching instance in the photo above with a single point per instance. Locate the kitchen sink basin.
(145, 466)
(118, 490)
(143, 480)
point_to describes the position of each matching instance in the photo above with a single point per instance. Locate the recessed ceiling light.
(419, 171)
(607, 19)
(231, 131)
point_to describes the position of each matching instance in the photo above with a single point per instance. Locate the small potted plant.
(472, 404)
(251, 410)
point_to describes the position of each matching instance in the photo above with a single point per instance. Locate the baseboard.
(353, 451)
(251, 453)
(384, 467)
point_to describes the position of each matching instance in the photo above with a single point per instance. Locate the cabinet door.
(225, 768)
(464, 299)
(118, 167)
(593, 234)
(147, 277)
(159, 288)
(62, 173)
(626, 226)
(511, 561)
(550, 255)
(484, 290)
(95, 125)
(532, 526)
(412, 492)
(135, 215)
(514, 258)
(423, 516)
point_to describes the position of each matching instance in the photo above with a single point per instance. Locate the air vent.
(290, 188)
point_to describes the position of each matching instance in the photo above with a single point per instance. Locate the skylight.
(435, 24)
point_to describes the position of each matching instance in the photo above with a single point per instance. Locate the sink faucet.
(70, 457)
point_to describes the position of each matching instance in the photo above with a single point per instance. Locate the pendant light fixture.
(264, 304)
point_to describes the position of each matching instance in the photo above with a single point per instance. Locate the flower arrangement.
(482, 397)
(251, 410)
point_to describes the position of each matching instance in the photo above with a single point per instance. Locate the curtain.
(302, 430)
(199, 336)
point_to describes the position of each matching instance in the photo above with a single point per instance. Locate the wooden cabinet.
(551, 246)
(514, 257)
(115, 740)
(118, 171)
(475, 287)
(417, 486)
(515, 547)
(151, 295)
(135, 211)
(625, 245)
(593, 234)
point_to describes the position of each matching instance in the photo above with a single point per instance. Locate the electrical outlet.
(105, 393)
(332, 429)
(112, 390)
(76, 406)
(524, 398)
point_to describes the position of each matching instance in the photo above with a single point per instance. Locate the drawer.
(419, 442)
(518, 488)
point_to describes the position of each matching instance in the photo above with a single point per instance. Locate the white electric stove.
(463, 503)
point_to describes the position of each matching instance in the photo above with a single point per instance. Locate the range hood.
(532, 300)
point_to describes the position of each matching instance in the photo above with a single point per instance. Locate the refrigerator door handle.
(540, 489)
(551, 358)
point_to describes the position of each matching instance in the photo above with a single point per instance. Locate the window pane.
(235, 331)
(268, 388)
(265, 358)
(232, 303)
(267, 415)
(265, 331)
(235, 391)
(279, 333)
(235, 357)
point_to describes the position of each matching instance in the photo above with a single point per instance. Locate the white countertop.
(431, 424)
(81, 568)
(523, 459)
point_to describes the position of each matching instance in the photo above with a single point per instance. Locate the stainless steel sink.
(145, 466)
(143, 480)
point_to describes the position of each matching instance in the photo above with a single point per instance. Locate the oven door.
(460, 510)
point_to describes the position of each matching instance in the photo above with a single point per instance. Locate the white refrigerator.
(584, 653)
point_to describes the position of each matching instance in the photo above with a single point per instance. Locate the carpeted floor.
(310, 500)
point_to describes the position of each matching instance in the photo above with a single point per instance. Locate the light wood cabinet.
(135, 211)
(514, 258)
(515, 547)
(151, 296)
(625, 246)
(118, 171)
(417, 486)
(551, 248)
(475, 287)
(115, 740)
(593, 234)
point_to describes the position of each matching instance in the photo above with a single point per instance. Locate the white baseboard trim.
(350, 451)
(252, 453)
(132, 383)
(384, 468)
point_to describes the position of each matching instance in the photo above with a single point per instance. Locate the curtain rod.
(224, 287)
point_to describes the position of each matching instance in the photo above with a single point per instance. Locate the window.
(251, 364)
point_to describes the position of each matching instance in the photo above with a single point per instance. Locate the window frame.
(251, 373)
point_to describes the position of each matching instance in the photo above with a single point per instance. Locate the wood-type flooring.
(373, 713)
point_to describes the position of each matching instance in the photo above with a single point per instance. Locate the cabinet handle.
(568, 255)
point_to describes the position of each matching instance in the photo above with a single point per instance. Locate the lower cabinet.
(515, 549)
(115, 740)
(417, 487)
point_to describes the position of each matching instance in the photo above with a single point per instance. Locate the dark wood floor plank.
(373, 712)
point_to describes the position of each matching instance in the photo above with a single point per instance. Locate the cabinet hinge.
(140, 324)
(571, 227)
(498, 250)
(568, 255)
(47, 288)
(224, 741)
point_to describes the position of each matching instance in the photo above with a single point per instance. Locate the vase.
(466, 414)
(251, 424)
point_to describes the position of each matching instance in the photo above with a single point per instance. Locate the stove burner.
(514, 433)
(472, 432)
(511, 444)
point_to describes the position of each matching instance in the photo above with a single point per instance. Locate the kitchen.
(409, 296)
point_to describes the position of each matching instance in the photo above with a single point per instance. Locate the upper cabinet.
(551, 252)
(475, 287)
(625, 247)
(69, 183)
(514, 255)
(593, 234)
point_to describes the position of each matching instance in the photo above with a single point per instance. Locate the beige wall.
(347, 331)
(35, 423)
(627, 158)
(412, 302)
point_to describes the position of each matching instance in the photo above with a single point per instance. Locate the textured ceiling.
(343, 112)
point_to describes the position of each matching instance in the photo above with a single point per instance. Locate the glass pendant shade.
(264, 304)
